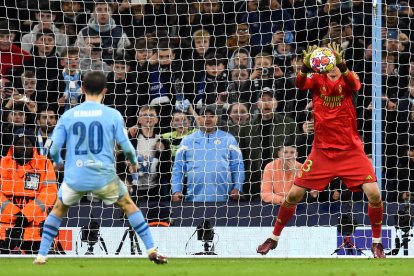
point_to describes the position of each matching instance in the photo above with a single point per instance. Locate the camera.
(268, 71)
(346, 225)
(205, 232)
(403, 219)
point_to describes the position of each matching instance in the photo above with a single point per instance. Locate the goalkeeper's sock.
(375, 213)
(50, 231)
(140, 226)
(286, 211)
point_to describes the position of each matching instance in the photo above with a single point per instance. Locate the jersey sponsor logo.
(88, 113)
(332, 101)
(31, 181)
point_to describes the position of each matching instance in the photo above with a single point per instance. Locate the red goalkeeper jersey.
(333, 110)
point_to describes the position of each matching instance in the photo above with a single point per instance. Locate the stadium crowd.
(174, 66)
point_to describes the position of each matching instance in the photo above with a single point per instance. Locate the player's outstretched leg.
(138, 223)
(375, 213)
(50, 231)
(286, 211)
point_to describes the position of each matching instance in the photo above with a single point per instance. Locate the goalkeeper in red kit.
(337, 149)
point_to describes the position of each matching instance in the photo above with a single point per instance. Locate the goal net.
(207, 91)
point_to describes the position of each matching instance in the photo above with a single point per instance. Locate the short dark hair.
(214, 59)
(143, 44)
(5, 27)
(164, 45)
(72, 51)
(94, 83)
(47, 32)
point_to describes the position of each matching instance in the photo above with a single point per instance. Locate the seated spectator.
(261, 138)
(278, 175)
(121, 91)
(240, 39)
(45, 123)
(93, 61)
(11, 56)
(146, 184)
(240, 57)
(194, 67)
(134, 20)
(238, 116)
(72, 19)
(209, 163)
(113, 39)
(12, 120)
(142, 52)
(19, 102)
(25, 195)
(239, 77)
(45, 61)
(46, 17)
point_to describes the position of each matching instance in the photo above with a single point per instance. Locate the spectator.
(163, 82)
(240, 39)
(11, 56)
(72, 19)
(122, 91)
(261, 138)
(44, 62)
(240, 57)
(279, 174)
(93, 61)
(69, 81)
(146, 184)
(45, 123)
(238, 116)
(25, 196)
(113, 39)
(46, 17)
(134, 20)
(237, 87)
(142, 52)
(14, 120)
(209, 163)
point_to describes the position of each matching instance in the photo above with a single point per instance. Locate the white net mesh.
(165, 61)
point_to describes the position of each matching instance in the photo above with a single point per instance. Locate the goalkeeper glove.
(339, 53)
(307, 54)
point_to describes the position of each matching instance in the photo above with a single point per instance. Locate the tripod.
(207, 250)
(133, 239)
(348, 246)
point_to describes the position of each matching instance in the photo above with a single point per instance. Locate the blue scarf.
(156, 89)
(72, 89)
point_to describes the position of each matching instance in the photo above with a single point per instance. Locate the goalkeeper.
(337, 149)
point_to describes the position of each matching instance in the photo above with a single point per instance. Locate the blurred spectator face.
(334, 30)
(239, 114)
(46, 121)
(201, 45)
(388, 65)
(29, 85)
(148, 118)
(16, 118)
(263, 62)
(239, 75)
(208, 121)
(287, 154)
(141, 55)
(180, 122)
(70, 8)
(266, 104)
(5, 42)
(103, 13)
(45, 44)
(165, 57)
(89, 42)
(242, 33)
(215, 70)
(393, 45)
(348, 30)
(46, 19)
(120, 70)
(210, 6)
(138, 10)
(241, 59)
(72, 62)
(96, 55)
(252, 5)
(278, 37)
(391, 16)
(412, 69)
(296, 64)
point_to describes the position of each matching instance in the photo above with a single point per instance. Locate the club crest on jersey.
(217, 142)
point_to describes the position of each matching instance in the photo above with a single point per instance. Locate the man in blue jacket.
(209, 161)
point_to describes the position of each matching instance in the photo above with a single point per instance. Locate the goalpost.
(164, 61)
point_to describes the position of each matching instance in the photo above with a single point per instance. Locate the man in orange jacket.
(28, 189)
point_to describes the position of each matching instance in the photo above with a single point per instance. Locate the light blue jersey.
(90, 132)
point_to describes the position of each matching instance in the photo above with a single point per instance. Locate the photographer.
(28, 190)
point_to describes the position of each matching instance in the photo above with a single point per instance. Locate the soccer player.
(337, 148)
(90, 132)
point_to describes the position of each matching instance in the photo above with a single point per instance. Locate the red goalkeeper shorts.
(322, 165)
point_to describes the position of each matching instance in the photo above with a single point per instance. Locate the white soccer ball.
(322, 60)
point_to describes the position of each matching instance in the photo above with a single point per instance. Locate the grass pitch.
(211, 267)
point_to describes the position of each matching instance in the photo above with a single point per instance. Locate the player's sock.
(140, 226)
(50, 231)
(375, 213)
(286, 211)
